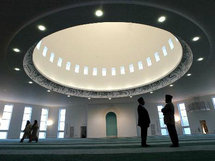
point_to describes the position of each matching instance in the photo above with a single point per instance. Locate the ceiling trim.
(180, 70)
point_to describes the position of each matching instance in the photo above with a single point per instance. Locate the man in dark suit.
(143, 121)
(169, 120)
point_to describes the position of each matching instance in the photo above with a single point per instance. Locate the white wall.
(76, 117)
(89, 114)
(92, 115)
(194, 117)
(126, 119)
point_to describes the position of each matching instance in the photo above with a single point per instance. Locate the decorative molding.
(180, 70)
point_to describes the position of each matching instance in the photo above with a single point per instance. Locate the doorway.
(111, 124)
(83, 131)
(204, 126)
(71, 132)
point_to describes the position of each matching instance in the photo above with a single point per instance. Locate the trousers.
(172, 133)
(143, 134)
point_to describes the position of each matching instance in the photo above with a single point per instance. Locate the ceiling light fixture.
(200, 59)
(109, 98)
(16, 69)
(130, 96)
(171, 85)
(48, 91)
(89, 98)
(30, 82)
(41, 27)
(196, 38)
(151, 92)
(99, 13)
(189, 74)
(68, 95)
(161, 19)
(16, 50)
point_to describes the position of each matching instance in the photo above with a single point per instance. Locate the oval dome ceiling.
(107, 56)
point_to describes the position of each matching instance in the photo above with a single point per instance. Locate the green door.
(111, 125)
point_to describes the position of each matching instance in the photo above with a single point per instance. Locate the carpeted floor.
(192, 148)
(169, 156)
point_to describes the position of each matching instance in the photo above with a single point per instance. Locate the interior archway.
(111, 124)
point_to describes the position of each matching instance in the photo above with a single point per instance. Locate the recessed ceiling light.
(89, 98)
(161, 19)
(41, 27)
(16, 69)
(48, 90)
(68, 95)
(30, 82)
(189, 74)
(151, 92)
(16, 50)
(196, 38)
(109, 98)
(130, 96)
(98, 13)
(171, 85)
(200, 59)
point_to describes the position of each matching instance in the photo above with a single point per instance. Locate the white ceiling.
(107, 45)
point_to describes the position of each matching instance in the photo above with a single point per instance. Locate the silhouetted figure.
(143, 121)
(27, 131)
(169, 120)
(34, 134)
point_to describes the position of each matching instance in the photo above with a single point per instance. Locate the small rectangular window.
(94, 71)
(213, 100)
(61, 123)
(157, 58)
(186, 131)
(59, 63)
(43, 123)
(68, 64)
(164, 51)
(51, 57)
(131, 68)
(159, 108)
(184, 118)
(38, 45)
(6, 117)
(45, 49)
(122, 70)
(161, 120)
(85, 70)
(164, 132)
(149, 62)
(171, 44)
(60, 135)
(42, 135)
(77, 68)
(140, 65)
(113, 71)
(3, 135)
(104, 71)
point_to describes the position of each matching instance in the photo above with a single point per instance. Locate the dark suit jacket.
(168, 112)
(143, 117)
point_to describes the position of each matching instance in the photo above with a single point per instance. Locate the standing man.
(169, 120)
(143, 121)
